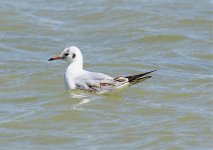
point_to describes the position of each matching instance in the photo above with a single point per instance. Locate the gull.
(76, 77)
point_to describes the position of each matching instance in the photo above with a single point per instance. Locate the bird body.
(76, 77)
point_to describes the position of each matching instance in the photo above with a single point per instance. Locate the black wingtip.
(152, 71)
(143, 74)
(138, 80)
(133, 77)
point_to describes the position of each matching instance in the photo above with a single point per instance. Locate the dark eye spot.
(66, 54)
(73, 56)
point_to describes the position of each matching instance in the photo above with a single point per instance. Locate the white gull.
(77, 78)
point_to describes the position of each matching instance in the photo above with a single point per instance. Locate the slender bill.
(55, 58)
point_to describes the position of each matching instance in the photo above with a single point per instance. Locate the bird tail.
(139, 77)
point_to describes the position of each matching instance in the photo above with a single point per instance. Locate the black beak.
(50, 59)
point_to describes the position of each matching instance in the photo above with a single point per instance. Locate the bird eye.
(73, 56)
(66, 54)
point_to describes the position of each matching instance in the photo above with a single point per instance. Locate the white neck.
(75, 67)
(73, 70)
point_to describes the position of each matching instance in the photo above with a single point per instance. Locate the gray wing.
(98, 82)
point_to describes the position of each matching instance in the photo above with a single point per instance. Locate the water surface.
(172, 110)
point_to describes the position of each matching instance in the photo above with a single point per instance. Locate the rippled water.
(173, 110)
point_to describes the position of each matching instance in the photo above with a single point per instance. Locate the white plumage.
(78, 78)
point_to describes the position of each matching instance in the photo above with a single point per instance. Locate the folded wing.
(101, 83)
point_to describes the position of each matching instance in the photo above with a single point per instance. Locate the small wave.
(162, 38)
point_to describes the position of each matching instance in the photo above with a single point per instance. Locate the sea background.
(173, 110)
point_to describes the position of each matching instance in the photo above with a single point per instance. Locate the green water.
(172, 110)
